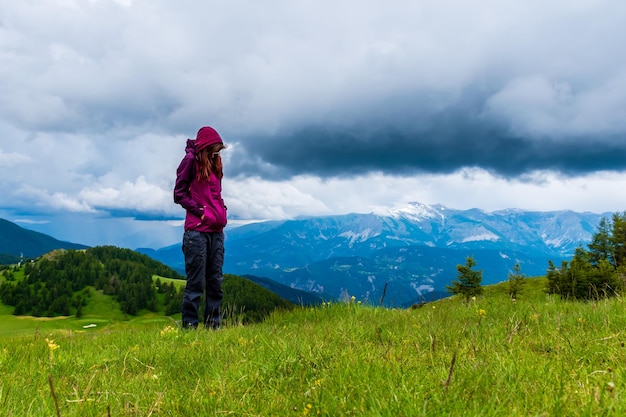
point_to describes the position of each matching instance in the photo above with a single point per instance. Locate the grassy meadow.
(535, 356)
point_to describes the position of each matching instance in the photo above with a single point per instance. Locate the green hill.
(17, 242)
(116, 284)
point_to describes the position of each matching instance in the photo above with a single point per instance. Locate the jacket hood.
(191, 146)
(206, 136)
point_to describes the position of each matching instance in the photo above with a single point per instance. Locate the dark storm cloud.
(432, 142)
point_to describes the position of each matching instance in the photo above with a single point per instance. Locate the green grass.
(536, 356)
(178, 283)
(101, 305)
(101, 312)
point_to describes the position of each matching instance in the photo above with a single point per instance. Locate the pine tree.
(468, 284)
(601, 245)
(618, 239)
(516, 281)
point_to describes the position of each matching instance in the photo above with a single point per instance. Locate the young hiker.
(198, 190)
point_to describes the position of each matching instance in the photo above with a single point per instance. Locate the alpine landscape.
(387, 209)
(312, 306)
(409, 253)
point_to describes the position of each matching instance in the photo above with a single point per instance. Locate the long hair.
(209, 161)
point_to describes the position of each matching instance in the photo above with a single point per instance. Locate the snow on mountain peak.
(480, 237)
(358, 236)
(416, 211)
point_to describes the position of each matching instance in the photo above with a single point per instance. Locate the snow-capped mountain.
(411, 253)
(556, 232)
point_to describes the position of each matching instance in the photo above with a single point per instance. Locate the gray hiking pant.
(204, 258)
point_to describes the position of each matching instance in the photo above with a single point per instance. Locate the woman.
(198, 190)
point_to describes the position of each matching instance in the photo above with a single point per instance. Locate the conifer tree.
(468, 283)
(598, 271)
(601, 245)
(516, 281)
(618, 239)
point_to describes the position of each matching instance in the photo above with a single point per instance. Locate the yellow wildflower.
(168, 330)
(51, 345)
(51, 348)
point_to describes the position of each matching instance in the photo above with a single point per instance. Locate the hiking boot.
(190, 326)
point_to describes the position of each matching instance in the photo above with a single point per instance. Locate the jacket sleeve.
(184, 175)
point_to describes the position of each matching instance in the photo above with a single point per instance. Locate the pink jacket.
(197, 197)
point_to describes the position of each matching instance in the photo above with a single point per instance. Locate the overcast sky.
(327, 107)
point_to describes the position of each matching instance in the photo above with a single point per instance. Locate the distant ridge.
(297, 297)
(406, 255)
(17, 241)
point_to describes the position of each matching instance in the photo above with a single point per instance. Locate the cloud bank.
(314, 98)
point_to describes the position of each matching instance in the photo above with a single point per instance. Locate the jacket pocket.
(192, 222)
(214, 216)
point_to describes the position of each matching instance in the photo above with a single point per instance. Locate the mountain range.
(398, 257)
(395, 257)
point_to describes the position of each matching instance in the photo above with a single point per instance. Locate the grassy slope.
(101, 310)
(178, 283)
(538, 356)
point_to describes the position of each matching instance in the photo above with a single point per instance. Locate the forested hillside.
(62, 282)
(597, 271)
